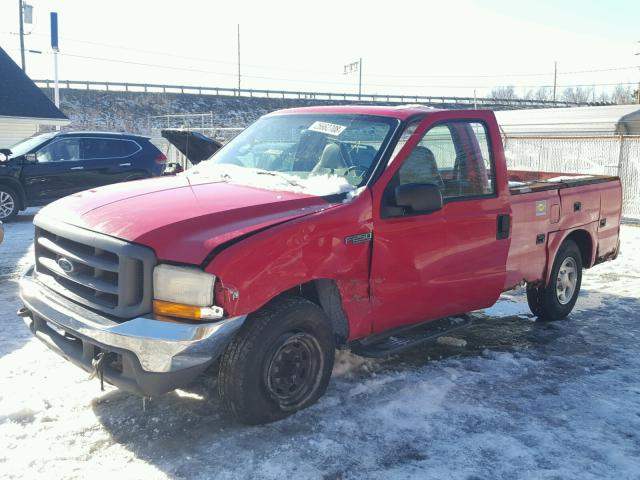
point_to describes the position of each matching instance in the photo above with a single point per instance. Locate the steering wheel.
(357, 169)
(346, 155)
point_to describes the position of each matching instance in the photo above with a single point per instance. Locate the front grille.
(101, 272)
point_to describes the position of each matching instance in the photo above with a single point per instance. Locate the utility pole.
(24, 69)
(638, 91)
(555, 79)
(360, 81)
(238, 59)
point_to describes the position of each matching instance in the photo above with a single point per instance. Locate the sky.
(411, 47)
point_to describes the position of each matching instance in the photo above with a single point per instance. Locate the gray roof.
(20, 97)
(606, 120)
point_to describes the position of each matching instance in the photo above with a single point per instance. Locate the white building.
(24, 108)
(588, 140)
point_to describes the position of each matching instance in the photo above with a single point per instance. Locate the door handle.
(76, 168)
(125, 164)
(503, 226)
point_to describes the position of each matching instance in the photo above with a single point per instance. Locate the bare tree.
(577, 94)
(622, 95)
(543, 94)
(504, 93)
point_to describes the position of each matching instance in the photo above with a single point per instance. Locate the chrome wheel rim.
(294, 370)
(567, 280)
(7, 204)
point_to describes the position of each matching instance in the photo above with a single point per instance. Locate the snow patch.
(320, 185)
(452, 341)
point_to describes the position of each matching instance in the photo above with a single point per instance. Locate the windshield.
(320, 154)
(29, 144)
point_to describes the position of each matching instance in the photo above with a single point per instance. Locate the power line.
(294, 80)
(372, 75)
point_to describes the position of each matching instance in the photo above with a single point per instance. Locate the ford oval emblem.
(65, 265)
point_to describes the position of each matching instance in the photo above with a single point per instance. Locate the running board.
(396, 341)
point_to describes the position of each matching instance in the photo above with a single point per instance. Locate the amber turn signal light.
(170, 309)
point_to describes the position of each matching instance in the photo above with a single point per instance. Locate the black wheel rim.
(294, 369)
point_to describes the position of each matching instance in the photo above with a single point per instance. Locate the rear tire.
(280, 362)
(556, 300)
(9, 205)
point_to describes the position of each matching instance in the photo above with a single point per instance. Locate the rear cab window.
(455, 156)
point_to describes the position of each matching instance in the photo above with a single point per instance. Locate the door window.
(108, 148)
(66, 149)
(456, 157)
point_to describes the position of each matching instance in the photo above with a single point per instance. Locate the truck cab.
(372, 228)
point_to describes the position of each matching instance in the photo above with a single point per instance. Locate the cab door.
(450, 261)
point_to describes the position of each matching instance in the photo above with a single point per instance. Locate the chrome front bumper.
(152, 356)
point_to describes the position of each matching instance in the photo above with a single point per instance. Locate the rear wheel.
(8, 204)
(556, 300)
(280, 362)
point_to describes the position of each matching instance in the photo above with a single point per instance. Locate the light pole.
(355, 67)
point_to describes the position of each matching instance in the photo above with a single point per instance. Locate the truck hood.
(183, 219)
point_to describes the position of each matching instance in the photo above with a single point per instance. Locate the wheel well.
(324, 292)
(583, 240)
(14, 185)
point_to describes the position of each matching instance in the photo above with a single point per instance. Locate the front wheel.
(556, 300)
(280, 362)
(8, 204)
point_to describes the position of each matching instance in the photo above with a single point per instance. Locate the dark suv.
(52, 165)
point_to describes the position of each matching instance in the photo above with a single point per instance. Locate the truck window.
(456, 157)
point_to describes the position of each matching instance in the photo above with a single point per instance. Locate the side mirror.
(31, 157)
(419, 197)
(173, 168)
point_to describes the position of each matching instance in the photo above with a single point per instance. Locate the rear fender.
(586, 238)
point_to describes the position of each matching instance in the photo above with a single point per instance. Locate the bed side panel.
(534, 215)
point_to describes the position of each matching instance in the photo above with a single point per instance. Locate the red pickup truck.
(374, 228)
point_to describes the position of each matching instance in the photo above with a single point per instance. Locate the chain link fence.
(596, 155)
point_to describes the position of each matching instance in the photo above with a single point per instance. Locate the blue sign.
(54, 30)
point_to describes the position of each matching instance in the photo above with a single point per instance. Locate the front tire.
(9, 205)
(280, 362)
(556, 300)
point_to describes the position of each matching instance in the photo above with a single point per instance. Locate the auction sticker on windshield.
(329, 128)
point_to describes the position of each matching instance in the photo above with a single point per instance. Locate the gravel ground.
(521, 399)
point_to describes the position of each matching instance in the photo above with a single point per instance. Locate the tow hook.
(23, 312)
(97, 365)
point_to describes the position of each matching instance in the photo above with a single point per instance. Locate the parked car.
(374, 228)
(53, 165)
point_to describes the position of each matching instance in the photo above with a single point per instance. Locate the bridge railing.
(305, 95)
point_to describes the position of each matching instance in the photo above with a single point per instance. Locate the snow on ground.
(522, 399)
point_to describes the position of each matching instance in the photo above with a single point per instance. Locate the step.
(381, 345)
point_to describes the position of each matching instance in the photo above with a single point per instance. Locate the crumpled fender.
(317, 246)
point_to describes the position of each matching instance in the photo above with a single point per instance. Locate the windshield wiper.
(280, 175)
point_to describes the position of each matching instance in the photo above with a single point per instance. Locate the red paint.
(416, 268)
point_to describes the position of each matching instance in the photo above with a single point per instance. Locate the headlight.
(184, 292)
